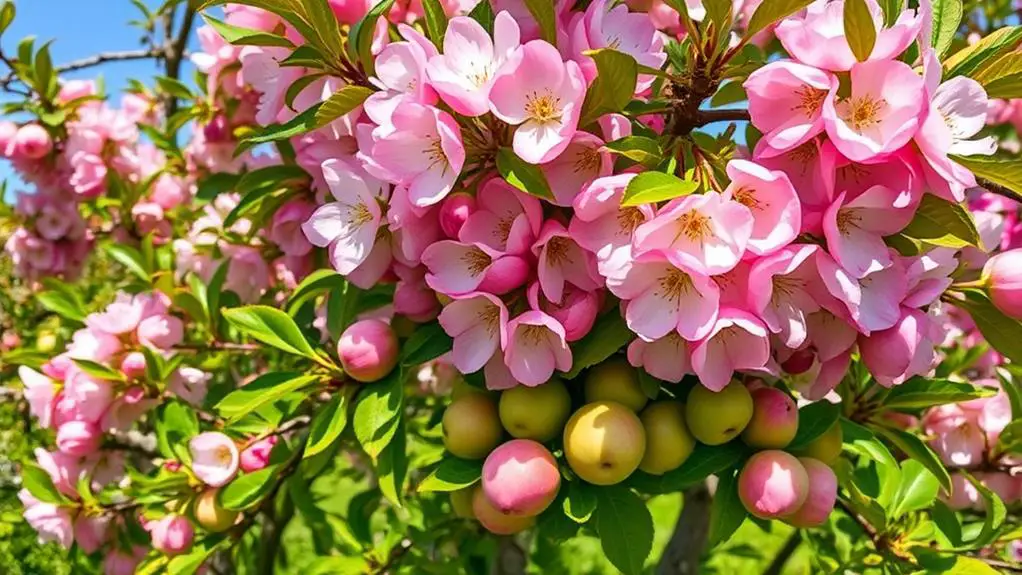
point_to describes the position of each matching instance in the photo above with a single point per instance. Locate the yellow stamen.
(674, 285)
(810, 100)
(543, 107)
(476, 260)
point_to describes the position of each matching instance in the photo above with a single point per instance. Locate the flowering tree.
(396, 276)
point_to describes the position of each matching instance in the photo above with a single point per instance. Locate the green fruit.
(471, 426)
(715, 418)
(604, 442)
(615, 380)
(668, 440)
(826, 447)
(536, 413)
(212, 516)
(461, 503)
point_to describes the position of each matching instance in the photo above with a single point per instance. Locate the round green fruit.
(615, 380)
(471, 426)
(715, 418)
(668, 440)
(604, 442)
(536, 413)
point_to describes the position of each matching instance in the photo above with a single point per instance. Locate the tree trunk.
(510, 559)
(685, 549)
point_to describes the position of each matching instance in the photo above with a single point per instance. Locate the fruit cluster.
(617, 430)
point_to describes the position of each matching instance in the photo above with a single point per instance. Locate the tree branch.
(781, 559)
(998, 189)
(704, 117)
(96, 60)
(175, 49)
(685, 549)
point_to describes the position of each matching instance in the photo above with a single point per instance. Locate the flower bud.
(133, 365)
(214, 458)
(8, 137)
(577, 313)
(368, 350)
(217, 130)
(257, 456)
(78, 438)
(800, 362)
(1003, 275)
(33, 142)
(172, 534)
(455, 211)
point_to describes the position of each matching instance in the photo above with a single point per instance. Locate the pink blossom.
(161, 331)
(64, 470)
(783, 290)
(478, 324)
(465, 73)
(413, 228)
(535, 348)
(128, 408)
(248, 274)
(40, 392)
(347, 226)
(190, 384)
(424, 152)
(454, 213)
(150, 220)
(769, 195)
(51, 522)
(90, 396)
(505, 219)
(172, 534)
(605, 228)
(707, 232)
(123, 315)
(544, 102)
(78, 438)
(606, 25)
(581, 162)
(401, 73)
(33, 142)
(1003, 276)
(882, 113)
(667, 358)
(286, 227)
(457, 268)
(737, 341)
(260, 67)
(93, 345)
(215, 458)
(120, 563)
(855, 230)
(796, 91)
(562, 262)
(412, 296)
(900, 352)
(576, 312)
(89, 177)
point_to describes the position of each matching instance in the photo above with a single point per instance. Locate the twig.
(297, 423)
(704, 117)
(998, 189)
(781, 559)
(685, 549)
(216, 346)
(1004, 565)
(96, 60)
(175, 50)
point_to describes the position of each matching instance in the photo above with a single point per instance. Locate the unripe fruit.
(615, 380)
(715, 418)
(826, 447)
(521, 478)
(493, 520)
(368, 350)
(460, 388)
(774, 419)
(461, 503)
(668, 441)
(1003, 274)
(773, 484)
(211, 515)
(535, 413)
(604, 442)
(471, 426)
(821, 496)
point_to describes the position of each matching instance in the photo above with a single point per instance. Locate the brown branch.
(998, 189)
(781, 559)
(704, 117)
(175, 49)
(685, 549)
(105, 57)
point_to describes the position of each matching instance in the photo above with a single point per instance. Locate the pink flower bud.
(368, 350)
(257, 456)
(172, 534)
(8, 138)
(455, 211)
(33, 142)
(217, 130)
(160, 331)
(214, 458)
(800, 362)
(1003, 274)
(133, 365)
(78, 438)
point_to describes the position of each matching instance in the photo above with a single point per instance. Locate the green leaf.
(639, 149)
(174, 88)
(614, 86)
(428, 342)
(859, 29)
(862, 442)
(918, 489)
(892, 9)
(483, 13)
(947, 522)
(1010, 440)
(727, 512)
(176, 423)
(40, 485)
(216, 184)
(45, 81)
(378, 413)
(609, 334)
(580, 501)
(190, 562)
(920, 392)
(939, 222)
(62, 304)
(704, 462)
(360, 50)
(130, 258)
(340, 103)
(625, 527)
(813, 421)
(653, 187)
(250, 488)
(543, 13)
(523, 175)
(246, 37)
(315, 284)
(452, 474)
(98, 370)
(267, 388)
(300, 124)
(272, 327)
(436, 21)
(771, 11)
(947, 16)
(993, 516)
(1003, 172)
(271, 177)
(1000, 331)
(916, 449)
(215, 291)
(972, 59)
(329, 422)
(7, 13)
(392, 466)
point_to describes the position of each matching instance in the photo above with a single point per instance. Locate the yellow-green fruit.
(715, 418)
(604, 442)
(46, 341)
(615, 380)
(536, 413)
(668, 440)
(826, 447)
(472, 426)
(211, 515)
(461, 503)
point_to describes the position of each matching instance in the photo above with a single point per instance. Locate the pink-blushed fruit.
(604, 442)
(773, 484)
(821, 497)
(1003, 274)
(826, 447)
(521, 478)
(615, 380)
(211, 515)
(471, 426)
(716, 417)
(368, 350)
(172, 534)
(774, 419)
(537, 413)
(668, 441)
(493, 520)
